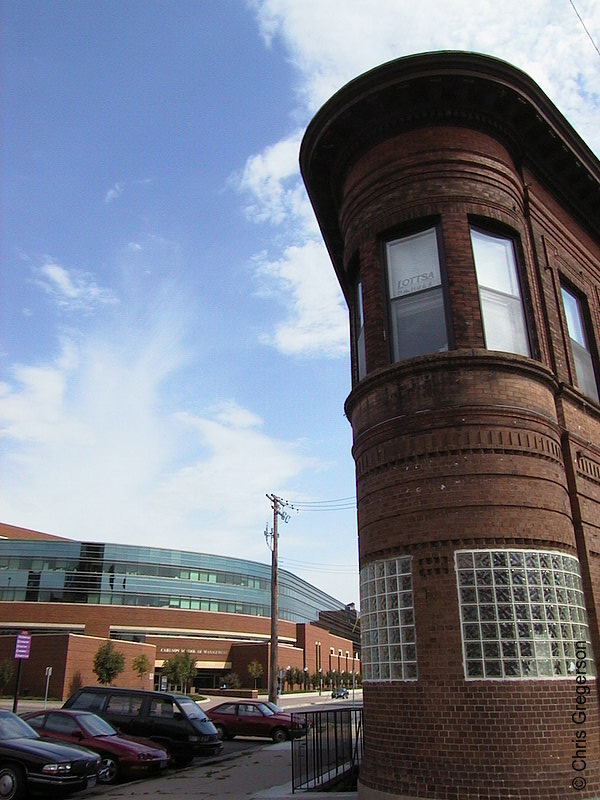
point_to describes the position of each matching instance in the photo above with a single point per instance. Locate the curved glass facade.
(131, 575)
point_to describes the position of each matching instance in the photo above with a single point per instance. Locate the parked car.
(339, 692)
(121, 756)
(253, 718)
(173, 721)
(29, 764)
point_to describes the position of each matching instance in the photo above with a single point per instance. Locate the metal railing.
(330, 751)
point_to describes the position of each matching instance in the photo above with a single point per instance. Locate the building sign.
(23, 645)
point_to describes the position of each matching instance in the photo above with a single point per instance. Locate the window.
(388, 638)
(361, 363)
(585, 377)
(60, 723)
(522, 614)
(417, 314)
(502, 313)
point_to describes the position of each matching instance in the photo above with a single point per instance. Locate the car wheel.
(222, 732)
(279, 735)
(109, 770)
(13, 784)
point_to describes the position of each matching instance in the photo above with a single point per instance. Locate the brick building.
(462, 215)
(71, 596)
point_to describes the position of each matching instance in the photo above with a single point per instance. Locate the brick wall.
(71, 658)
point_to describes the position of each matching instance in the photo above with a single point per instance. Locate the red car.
(253, 718)
(120, 756)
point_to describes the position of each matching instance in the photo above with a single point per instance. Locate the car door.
(123, 711)
(251, 721)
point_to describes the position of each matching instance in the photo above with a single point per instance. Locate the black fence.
(330, 752)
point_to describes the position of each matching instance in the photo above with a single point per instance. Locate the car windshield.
(11, 727)
(267, 710)
(95, 726)
(190, 709)
(273, 707)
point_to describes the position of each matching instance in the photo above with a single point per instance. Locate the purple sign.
(23, 645)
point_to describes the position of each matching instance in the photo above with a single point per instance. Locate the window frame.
(486, 228)
(396, 235)
(585, 322)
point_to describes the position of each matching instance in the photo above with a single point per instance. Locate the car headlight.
(146, 756)
(56, 769)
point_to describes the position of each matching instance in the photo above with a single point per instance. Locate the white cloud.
(92, 447)
(271, 179)
(317, 320)
(72, 290)
(114, 192)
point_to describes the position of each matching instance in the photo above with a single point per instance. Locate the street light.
(305, 679)
(320, 680)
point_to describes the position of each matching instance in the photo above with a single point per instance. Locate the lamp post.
(320, 680)
(305, 679)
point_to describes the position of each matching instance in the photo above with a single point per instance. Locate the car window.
(88, 701)
(37, 721)
(124, 704)
(162, 708)
(267, 710)
(227, 708)
(12, 727)
(190, 709)
(61, 723)
(95, 726)
(246, 710)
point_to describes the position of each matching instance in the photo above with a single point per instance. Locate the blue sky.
(173, 342)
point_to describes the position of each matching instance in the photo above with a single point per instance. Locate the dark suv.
(174, 721)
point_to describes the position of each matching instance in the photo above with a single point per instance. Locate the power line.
(341, 504)
(584, 27)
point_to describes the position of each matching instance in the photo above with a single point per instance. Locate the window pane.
(584, 367)
(503, 323)
(419, 324)
(413, 263)
(574, 319)
(360, 333)
(495, 263)
(501, 305)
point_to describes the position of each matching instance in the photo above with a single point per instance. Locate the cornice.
(446, 88)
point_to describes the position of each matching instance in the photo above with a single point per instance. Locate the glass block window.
(388, 638)
(522, 613)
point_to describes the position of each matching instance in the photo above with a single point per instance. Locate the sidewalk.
(256, 774)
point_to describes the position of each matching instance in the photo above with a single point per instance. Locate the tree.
(108, 663)
(180, 669)
(232, 680)
(255, 670)
(141, 665)
(6, 672)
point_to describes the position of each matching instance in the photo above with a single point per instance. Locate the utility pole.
(277, 504)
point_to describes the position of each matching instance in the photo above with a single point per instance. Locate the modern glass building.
(62, 571)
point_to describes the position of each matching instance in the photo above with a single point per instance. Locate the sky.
(174, 346)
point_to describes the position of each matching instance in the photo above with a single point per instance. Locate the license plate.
(91, 781)
(163, 764)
